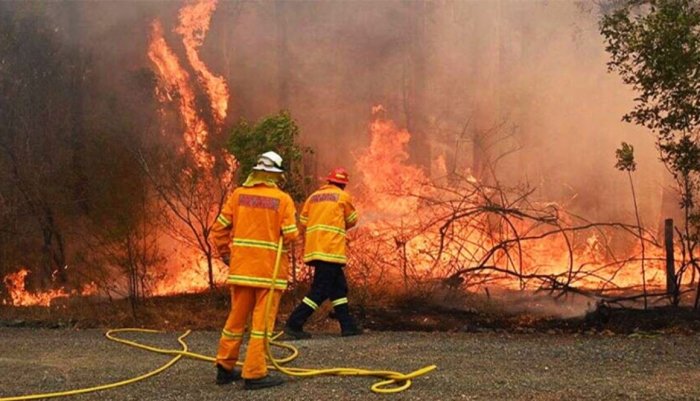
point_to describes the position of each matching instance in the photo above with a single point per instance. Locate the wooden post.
(670, 260)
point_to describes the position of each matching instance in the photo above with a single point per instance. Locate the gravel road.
(471, 366)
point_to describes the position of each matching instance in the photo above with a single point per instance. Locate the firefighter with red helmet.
(327, 214)
(246, 235)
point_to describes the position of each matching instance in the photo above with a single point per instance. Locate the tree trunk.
(671, 288)
(77, 111)
(415, 84)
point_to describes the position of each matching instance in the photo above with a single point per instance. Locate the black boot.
(224, 376)
(297, 332)
(263, 382)
(295, 323)
(347, 323)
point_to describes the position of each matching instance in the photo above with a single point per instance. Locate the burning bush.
(418, 237)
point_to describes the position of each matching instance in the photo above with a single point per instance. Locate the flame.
(386, 177)
(403, 230)
(397, 227)
(190, 275)
(176, 84)
(194, 24)
(19, 295)
(398, 234)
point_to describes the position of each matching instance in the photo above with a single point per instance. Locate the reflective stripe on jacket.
(327, 213)
(249, 228)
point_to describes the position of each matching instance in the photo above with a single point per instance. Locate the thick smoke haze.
(472, 80)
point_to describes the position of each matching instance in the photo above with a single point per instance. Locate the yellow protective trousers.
(244, 301)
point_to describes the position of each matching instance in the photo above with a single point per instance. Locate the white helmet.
(269, 161)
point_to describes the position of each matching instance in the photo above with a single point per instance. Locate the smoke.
(542, 304)
(499, 301)
(511, 91)
(531, 77)
(476, 79)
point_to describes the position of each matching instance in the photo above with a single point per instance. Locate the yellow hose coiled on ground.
(402, 381)
(399, 380)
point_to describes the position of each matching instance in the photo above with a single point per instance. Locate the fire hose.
(399, 380)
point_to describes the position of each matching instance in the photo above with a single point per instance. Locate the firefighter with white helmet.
(246, 235)
(269, 161)
(327, 214)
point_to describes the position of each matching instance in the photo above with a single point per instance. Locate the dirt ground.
(486, 366)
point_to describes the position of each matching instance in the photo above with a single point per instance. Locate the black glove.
(226, 259)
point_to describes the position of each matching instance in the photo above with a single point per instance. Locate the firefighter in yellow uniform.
(327, 214)
(246, 235)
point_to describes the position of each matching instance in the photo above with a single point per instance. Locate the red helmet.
(338, 175)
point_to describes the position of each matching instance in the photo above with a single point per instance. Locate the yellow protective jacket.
(249, 228)
(327, 214)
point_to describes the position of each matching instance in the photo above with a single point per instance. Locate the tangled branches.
(474, 236)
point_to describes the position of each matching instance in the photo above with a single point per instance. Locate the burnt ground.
(605, 319)
(207, 311)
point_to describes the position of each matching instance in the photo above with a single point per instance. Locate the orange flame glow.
(187, 273)
(194, 24)
(21, 297)
(400, 210)
(387, 179)
(175, 83)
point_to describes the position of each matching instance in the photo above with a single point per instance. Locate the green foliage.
(655, 47)
(625, 158)
(683, 155)
(683, 158)
(278, 133)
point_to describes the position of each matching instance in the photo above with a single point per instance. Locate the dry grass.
(397, 312)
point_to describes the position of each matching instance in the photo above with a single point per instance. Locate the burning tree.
(57, 218)
(193, 176)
